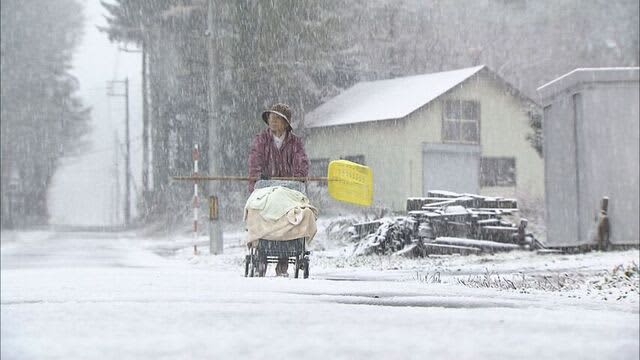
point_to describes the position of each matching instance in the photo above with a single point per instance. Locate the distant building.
(463, 130)
(591, 151)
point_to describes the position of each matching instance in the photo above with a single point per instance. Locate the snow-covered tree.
(42, 119)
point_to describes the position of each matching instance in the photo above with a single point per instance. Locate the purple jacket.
(265, 158)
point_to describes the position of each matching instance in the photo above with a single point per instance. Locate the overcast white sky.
(84, 188)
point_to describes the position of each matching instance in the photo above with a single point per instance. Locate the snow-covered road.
(97, 296)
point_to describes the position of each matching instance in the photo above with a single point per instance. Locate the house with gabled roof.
(463, 130)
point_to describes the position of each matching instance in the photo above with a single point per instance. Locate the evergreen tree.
(41, 117)
(172, 36)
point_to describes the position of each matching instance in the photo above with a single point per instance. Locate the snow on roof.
(581, 75)
(386, 99)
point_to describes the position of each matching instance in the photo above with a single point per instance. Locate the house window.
(318, 167)
(359, 159)
(461, 121)
(497, 171)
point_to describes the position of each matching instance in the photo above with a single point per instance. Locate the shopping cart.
(265, 251)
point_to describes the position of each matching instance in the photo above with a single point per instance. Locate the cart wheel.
(305, 263)
(247, 260)
(253, 263)
(261, 264)
(298, 264)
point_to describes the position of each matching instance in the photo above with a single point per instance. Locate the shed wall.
(609, 161)
(561, 179)
(591, 151)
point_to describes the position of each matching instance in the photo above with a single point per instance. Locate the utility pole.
(145, 121)
(145, 129)
(127, 203)
(116, 176)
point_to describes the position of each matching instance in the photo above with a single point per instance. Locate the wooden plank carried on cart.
(347, 181)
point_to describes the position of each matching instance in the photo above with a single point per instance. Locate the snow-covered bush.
(341, 229)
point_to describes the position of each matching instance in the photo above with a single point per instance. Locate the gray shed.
(591, 151)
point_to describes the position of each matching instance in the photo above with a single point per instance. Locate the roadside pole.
(215, 227)
(127, 187)
(196, 200)
(127, 178)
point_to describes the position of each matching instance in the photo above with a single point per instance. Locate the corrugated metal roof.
(386, 99)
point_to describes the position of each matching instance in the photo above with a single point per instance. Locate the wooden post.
(521, 234)
(604, 229)
(604, 204)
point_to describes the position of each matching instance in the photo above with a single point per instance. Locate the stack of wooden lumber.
(444, 222)
(448, 222)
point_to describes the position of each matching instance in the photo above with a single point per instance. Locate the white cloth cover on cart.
(279, 213)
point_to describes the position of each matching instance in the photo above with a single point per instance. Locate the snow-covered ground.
(120, 296)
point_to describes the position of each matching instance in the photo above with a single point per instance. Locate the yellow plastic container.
(350, 182)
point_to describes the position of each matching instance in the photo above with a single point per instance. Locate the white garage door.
(451, 167)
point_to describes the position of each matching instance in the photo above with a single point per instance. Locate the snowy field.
(120, 296)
